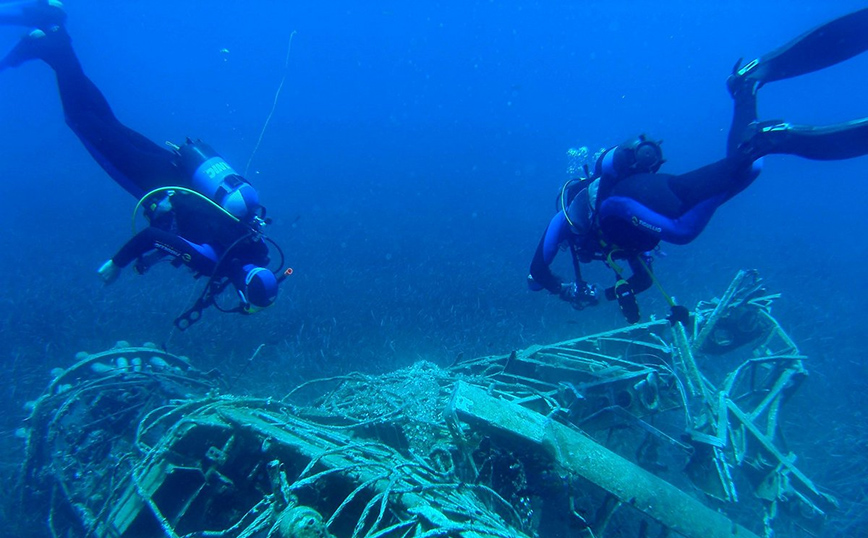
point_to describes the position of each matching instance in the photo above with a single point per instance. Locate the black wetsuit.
(192, 231)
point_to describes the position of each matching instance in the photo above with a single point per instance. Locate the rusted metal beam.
(579, 454)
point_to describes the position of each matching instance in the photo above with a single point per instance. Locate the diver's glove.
(109, 272)
(679, 314)
(160, 211)
(626, 298)
(580, 294)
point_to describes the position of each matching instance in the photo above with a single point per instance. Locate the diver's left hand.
(109, 272)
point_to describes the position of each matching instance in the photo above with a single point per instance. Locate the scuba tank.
(212, 176)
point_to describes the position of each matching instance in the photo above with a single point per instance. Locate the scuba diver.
(201, 213)
(625, 208)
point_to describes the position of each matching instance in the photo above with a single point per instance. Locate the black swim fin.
(824, 46)
(824, 143)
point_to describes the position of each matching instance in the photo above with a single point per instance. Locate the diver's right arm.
(579, 293)
(541, 276)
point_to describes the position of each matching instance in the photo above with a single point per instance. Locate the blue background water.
(411, 166)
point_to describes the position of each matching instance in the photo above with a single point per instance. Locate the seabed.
(650, 430)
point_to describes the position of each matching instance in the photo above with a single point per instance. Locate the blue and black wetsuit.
(635, 210)
(642, 209)
(575, 229)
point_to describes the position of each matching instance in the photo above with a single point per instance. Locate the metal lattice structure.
(649, 429)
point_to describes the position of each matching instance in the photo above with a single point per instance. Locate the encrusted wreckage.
(650, 430)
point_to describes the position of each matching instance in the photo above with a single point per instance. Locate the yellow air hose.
(181, 189)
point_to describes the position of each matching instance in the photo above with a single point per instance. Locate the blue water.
(410, 167)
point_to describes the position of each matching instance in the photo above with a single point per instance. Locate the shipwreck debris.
(632, 432)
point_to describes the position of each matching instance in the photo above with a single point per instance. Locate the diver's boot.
(743, 83)
(42, 14)
(761, 138)
(38, 44)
